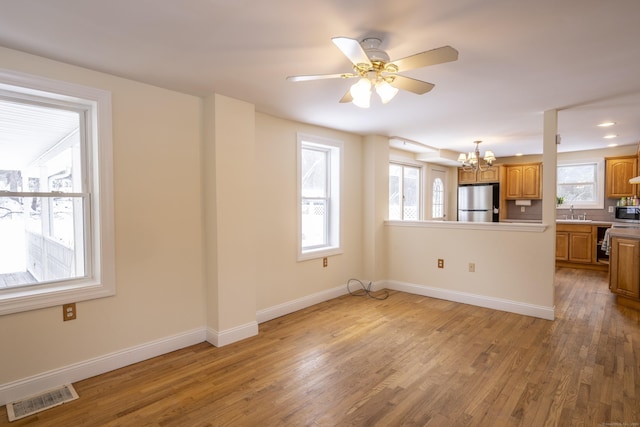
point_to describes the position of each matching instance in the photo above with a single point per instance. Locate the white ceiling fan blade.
(320, 77)
(412, 85)
(351, 49)
(347, 97)
(424, 59)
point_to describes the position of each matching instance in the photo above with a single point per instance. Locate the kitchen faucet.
(571, 211)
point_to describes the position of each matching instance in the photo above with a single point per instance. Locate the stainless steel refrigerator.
(478, 203)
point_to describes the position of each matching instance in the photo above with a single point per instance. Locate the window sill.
(320, 253)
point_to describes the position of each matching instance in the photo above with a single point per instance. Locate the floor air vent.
(31, 405)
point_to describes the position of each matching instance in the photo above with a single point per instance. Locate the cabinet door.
(489, 175)
(531, 182)
(580, 247)
(618, 172)
(562, 246)
(624, 275)
(514, 182)
(466, 177)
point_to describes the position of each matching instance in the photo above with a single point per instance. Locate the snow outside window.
(581, 185)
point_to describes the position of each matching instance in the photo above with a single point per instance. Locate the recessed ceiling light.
(612, 145)
(610, 136)
(519, 154)
(606, 124)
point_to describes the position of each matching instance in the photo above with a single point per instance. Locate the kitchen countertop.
(633, 233)
(559, 221)
(588, 222)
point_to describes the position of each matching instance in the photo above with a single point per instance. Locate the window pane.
(437, 199)
(314, 173)
(573, 174)
(577, 183)
(395, 192)
(39, 247)
(573, 193)
(411, 193)
(314, 223)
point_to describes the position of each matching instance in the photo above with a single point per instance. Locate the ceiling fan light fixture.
(361, 93)
(385, 91)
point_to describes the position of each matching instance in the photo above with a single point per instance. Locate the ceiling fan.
(374, 68)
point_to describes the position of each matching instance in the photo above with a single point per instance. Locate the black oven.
(628, 213)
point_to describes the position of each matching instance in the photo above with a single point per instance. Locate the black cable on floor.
(365, 291)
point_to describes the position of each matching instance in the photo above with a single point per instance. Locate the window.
(319, 176)
(404, 192)
(56, 227)
(437, 205)
(581, 184)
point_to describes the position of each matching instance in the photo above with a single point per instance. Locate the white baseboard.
(19, 389)
(510, 306)
(300, 303)
(232, 335)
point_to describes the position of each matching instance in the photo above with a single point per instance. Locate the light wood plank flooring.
(408, 360)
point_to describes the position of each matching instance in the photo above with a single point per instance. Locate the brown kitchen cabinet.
(522, 181)
(579, 245)
(618, 171)
(483, 176)
(574, 243)
(562, 246)
(624, 274)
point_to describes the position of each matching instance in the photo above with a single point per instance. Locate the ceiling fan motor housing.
(371, 48)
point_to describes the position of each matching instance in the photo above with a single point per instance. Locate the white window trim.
(599, 203)
(101, 283)
(335, 229)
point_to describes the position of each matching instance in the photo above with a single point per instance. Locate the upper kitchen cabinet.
(490, 175)
(618, 171)
(522, 181)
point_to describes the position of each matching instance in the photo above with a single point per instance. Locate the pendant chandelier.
(471, 162)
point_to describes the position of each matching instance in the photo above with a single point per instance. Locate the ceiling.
(516, 60)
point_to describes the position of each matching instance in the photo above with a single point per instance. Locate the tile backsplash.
(534, 212)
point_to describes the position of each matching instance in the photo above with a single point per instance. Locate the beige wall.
(280, 277)
(509, 265)
(156, 139)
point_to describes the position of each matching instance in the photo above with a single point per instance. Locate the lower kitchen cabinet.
(562, 246)
(624, 274)
(574, 243)
(579, 246)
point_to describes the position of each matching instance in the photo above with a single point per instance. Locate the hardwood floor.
(407, 360)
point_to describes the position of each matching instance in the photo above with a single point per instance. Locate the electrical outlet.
(440, 263)
(69, 311)
(325, 262)
(522, 209)
(472, 267)
(610, 209)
